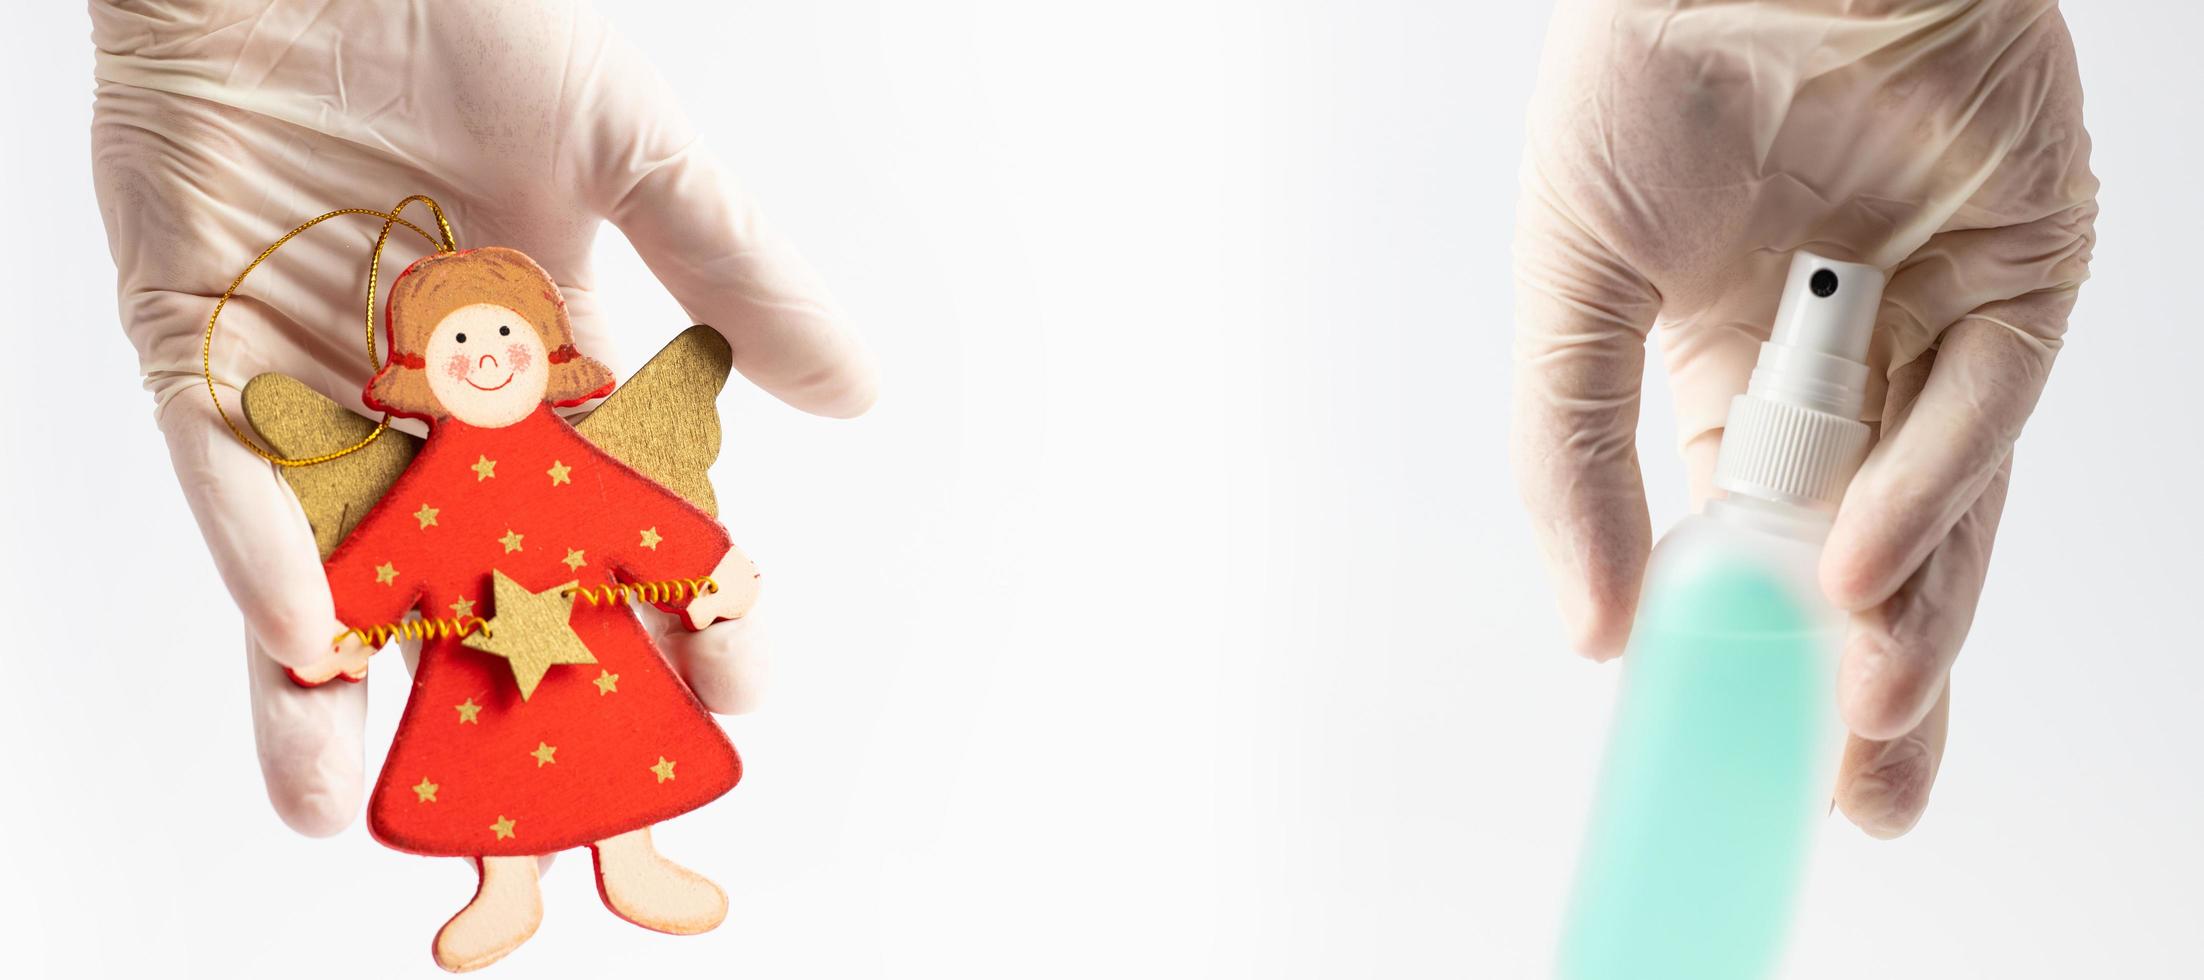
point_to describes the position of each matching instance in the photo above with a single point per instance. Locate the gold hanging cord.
(443, 242)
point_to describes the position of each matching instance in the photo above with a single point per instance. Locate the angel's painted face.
(487, 365)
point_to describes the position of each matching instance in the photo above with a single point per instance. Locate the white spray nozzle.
(1795, 434)
(1828, 306)
(1816, 354)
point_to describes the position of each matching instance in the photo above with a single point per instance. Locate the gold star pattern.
(503, 828)
(426, 791)
(651, 537)
(511, 541)
(463, 608)
(427, 516)
(386, 573)
(468, 711)
(607, 683)
(573, 560)
(558, 472)
(530, 630)
(484, 468)
(543, 753)
(664, 769)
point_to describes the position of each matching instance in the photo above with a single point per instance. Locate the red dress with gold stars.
(597, 749)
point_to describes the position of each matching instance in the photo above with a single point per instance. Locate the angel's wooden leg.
(643, 887)
(505, 911)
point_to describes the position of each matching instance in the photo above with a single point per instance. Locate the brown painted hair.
(430, 289)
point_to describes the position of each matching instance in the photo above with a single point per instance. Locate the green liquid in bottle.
(1705, 812)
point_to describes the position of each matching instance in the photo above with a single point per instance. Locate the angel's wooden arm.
(738, 579)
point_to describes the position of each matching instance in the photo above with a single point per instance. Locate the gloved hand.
(1677, 154)
(219, 125)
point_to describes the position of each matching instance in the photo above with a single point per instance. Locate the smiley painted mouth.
(508, 380)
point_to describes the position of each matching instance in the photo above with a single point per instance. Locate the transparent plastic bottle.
(1725, 738)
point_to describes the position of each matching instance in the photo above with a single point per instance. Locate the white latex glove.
(1678, 153)
(219, 125)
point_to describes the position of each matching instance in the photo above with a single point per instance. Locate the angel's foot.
(505, 912)
(643, 887)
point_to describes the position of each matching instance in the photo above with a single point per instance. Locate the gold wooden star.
(511, 541)
(651, 537)
(426, 515)
(426, 791)
(607, 683)
(543, 754)
(503, 828)
(664, 769)
(559, 473)
(530, 630)
(468, 711)
(484, 468)
(386, 573)
(463, 608)
(573, 560)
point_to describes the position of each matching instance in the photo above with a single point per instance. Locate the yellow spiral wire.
(445, 243)
(669, 590)
(664, 590)
(415, 629)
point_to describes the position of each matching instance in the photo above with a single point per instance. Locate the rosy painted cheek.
(458, 367)
(519, 356)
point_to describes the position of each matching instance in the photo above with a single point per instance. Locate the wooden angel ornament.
(542, 716)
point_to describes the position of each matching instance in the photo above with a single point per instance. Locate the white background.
(1172, 615)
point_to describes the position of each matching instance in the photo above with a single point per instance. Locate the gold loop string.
(442, 242)
(375, 260)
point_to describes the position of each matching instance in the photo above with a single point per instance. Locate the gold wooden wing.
(664, 422)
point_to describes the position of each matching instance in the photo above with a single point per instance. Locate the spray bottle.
(1725, 738)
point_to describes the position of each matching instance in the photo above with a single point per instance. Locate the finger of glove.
(1898, 652)
(1883, 786)
(258, 536)
(724, 663)
(1938, 451)
(1581, 320)
(309, 739)
(1900, 648)
(703, 237)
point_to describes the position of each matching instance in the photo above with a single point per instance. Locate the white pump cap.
(1795, 435)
